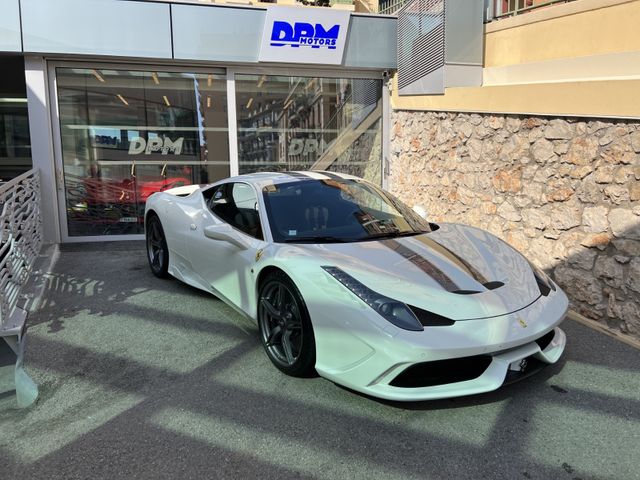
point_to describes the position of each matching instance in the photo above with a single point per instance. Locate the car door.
(225, 240)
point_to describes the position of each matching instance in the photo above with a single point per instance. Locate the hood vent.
(487, 285)
(545, 289)
(430, 319)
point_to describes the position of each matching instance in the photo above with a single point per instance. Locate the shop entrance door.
(128, 132)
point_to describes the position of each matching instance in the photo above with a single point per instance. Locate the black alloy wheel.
(157, 250)
(285, 327)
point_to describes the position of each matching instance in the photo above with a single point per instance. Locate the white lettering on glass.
(138, 145)
(299, 146)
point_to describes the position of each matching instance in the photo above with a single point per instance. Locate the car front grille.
(442, 372)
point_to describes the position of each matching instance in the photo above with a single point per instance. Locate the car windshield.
(335, 211)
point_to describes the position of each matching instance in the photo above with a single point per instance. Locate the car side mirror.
(225, 233)
(420, 210)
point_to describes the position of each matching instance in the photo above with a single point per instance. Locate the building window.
(15, 143)
(128, 133)
(511, 6)
(309, 123)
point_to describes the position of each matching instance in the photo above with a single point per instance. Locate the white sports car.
(345, 280)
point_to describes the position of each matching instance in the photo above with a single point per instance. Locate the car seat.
(317, 217)
(249, 222)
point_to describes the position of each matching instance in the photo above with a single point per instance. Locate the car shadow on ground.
(150, 378)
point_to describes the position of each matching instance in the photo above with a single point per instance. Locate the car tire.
(157, 249)
(285, 326)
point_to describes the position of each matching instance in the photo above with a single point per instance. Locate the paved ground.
(144, 378)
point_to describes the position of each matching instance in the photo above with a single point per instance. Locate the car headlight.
(391, 310)
(544, 282)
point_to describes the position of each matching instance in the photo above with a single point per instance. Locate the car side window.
(244, 197)
(237, 205)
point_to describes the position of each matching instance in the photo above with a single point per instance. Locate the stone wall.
(565, 192)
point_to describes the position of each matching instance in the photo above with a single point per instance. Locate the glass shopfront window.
(15, 143)
(126, 134)
(309, 123)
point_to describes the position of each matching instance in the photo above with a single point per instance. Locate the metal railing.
(390, 7)
(20, 243)
(516, 7)
(20, 240)
(494, 9)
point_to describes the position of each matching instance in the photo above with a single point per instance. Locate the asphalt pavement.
(147, 378)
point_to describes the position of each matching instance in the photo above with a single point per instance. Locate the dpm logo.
(139, 145)
(305, 34)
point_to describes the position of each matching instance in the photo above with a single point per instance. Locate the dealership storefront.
(197, 93)
(130, 131)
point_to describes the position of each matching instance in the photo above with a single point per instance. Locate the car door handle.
(193, 226)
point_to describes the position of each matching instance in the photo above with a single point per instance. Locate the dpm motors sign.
(304, 35)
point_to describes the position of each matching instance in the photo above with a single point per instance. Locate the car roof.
(262, 179)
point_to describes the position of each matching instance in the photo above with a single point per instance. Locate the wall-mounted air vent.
(440, 45)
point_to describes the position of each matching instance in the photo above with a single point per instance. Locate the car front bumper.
(371, 362)
(491, 379)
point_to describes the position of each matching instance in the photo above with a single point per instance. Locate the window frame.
(229, 185)
(55, 170)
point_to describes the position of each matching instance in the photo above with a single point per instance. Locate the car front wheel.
(285, 327)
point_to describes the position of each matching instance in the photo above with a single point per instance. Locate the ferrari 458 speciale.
(345, 280)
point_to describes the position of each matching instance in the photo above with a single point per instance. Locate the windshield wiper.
(318, 239)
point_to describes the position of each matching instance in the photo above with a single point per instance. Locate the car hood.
(457, 271)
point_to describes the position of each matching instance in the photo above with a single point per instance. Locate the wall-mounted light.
(122, 99)
(249, 102)
(98, 76)
(209, 80)
(166, 100)
(156, 80)
(208, 102)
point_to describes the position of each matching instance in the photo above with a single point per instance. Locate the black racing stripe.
(423, 264)
(458, 260)
(297, 175)
(332, 176)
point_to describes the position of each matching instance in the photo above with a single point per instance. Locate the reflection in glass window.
(127, 134)
(308, 123)
(15, 143)
(337, 211)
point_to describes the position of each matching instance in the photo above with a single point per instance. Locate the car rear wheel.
(285, 327)
(157, 250)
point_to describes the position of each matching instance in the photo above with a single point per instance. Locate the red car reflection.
(100, 191)
(106, 201)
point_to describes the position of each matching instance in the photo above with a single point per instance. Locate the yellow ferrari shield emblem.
(258, 255)
(522, 323)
